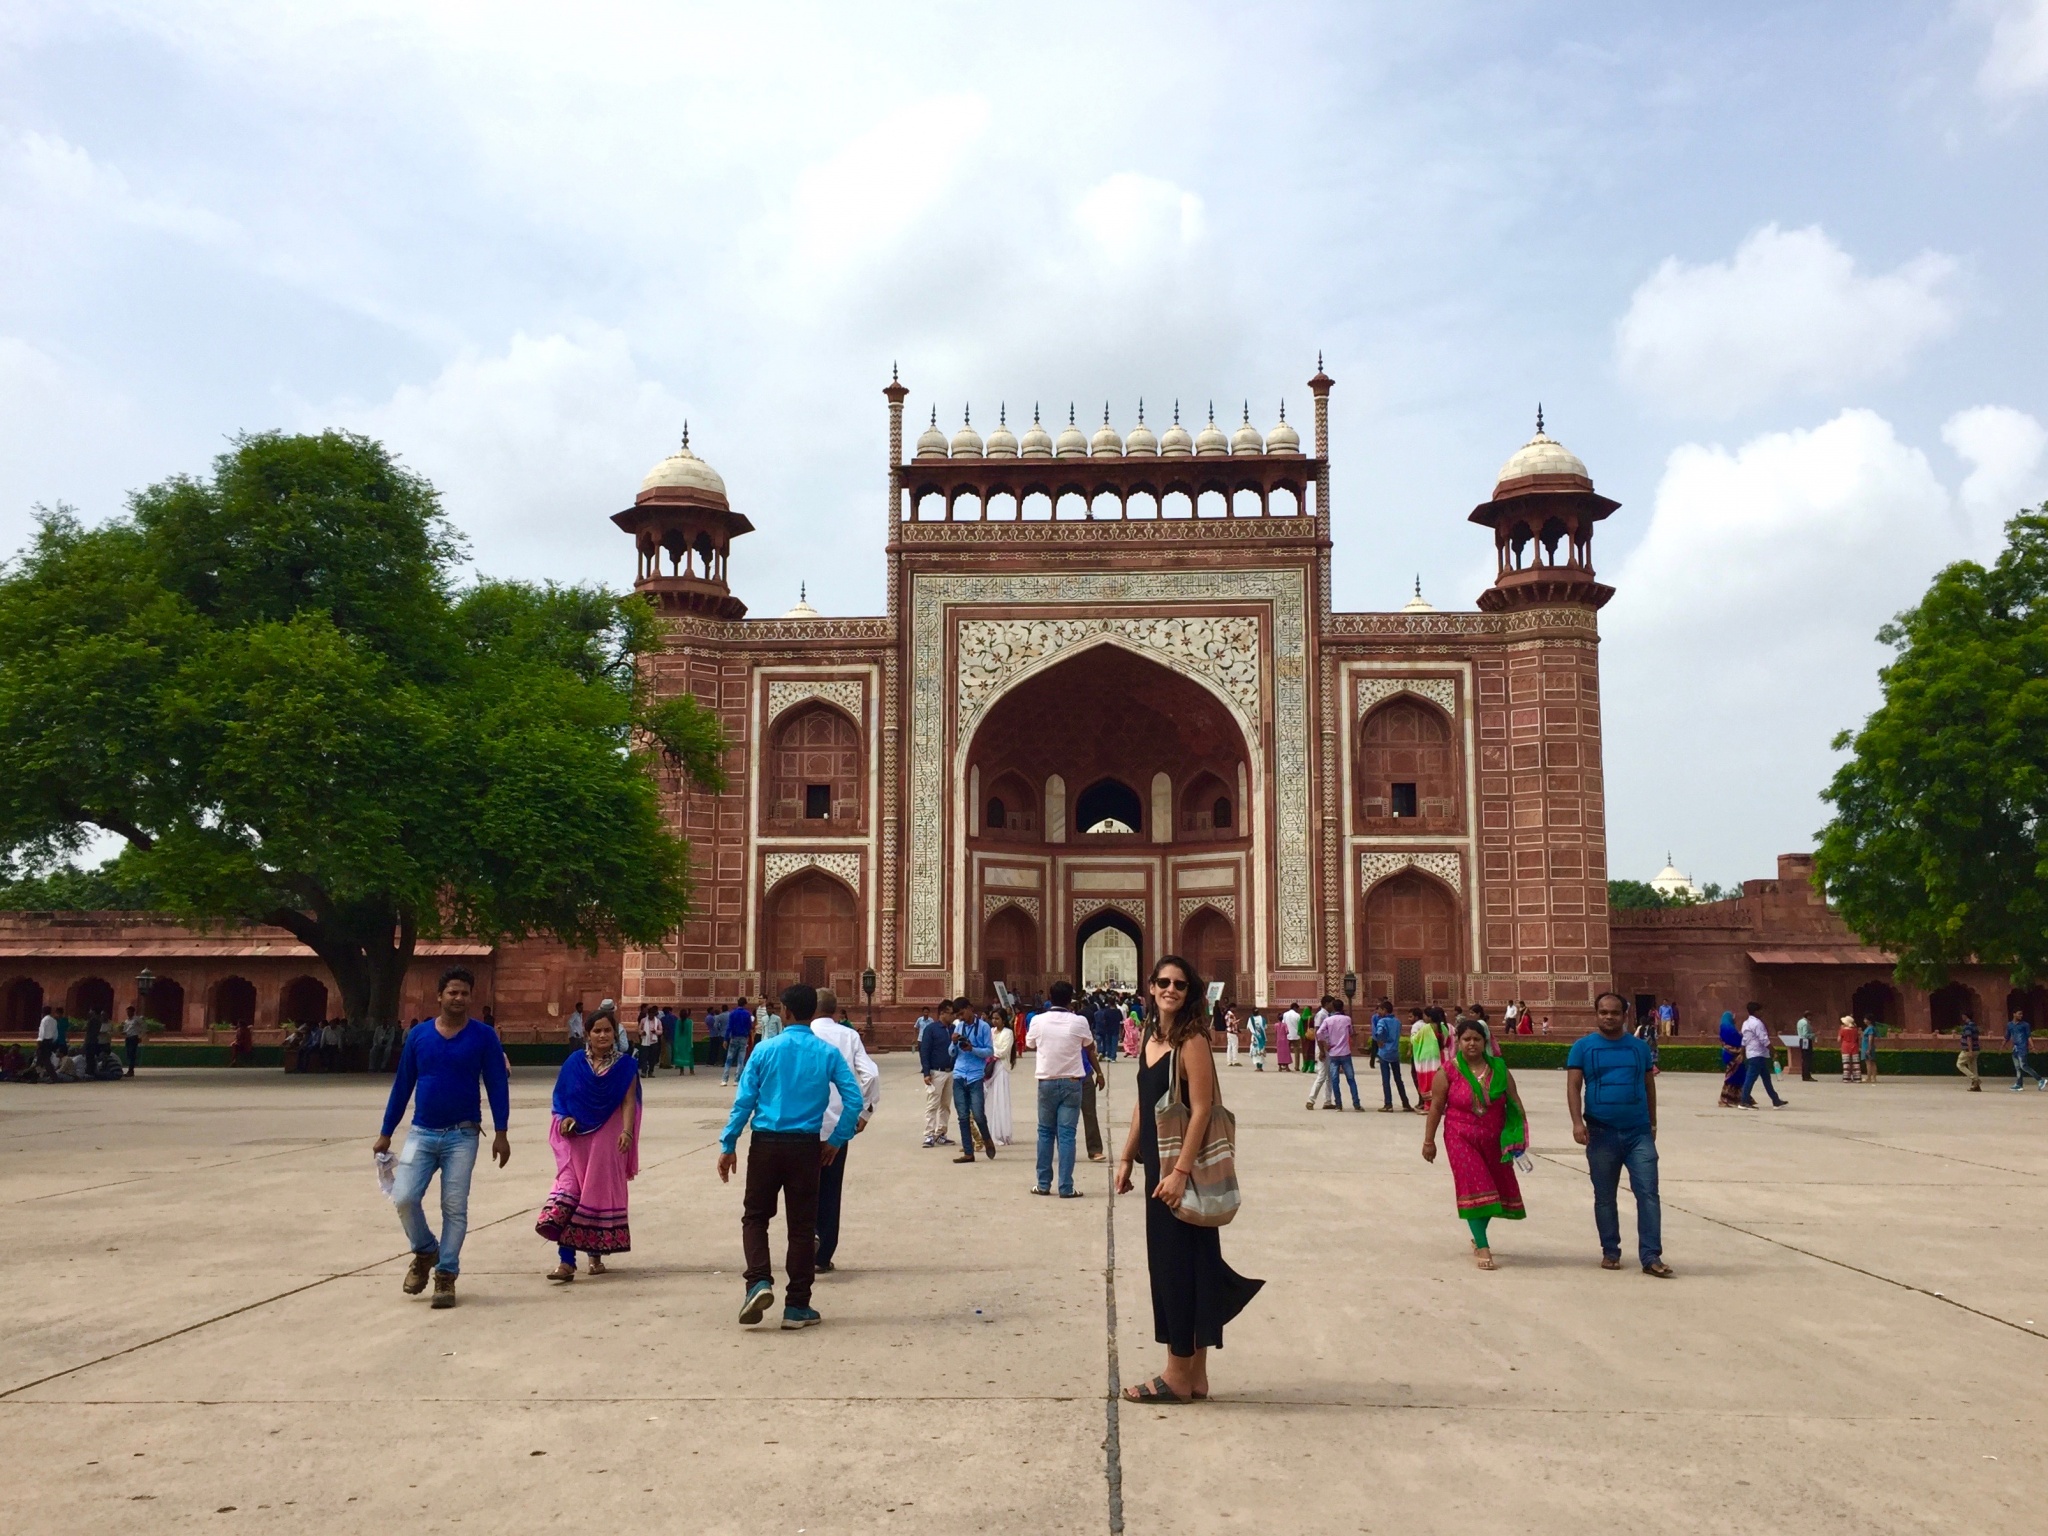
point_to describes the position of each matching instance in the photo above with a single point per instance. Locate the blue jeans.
(1391, 1082)
(1059, 1117)
(970, 1104)
(735, 1059)
(1340, 1066)
(1758, 1069)
(1608, 1151)
(453, 1153)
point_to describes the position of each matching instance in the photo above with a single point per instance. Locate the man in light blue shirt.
(784, 1089)
(973, 1048)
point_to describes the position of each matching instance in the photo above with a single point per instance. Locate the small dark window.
(818, 801)
(1404, 799)
(1221, 816)
(996, 813)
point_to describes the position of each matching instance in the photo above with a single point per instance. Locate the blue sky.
(1775, 271)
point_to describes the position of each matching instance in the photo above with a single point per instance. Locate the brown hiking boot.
(416, 1274)
(444, 1289)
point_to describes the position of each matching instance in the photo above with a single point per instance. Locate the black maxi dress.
(1194, 1293)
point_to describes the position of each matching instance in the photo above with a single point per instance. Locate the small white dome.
(967, 441)
(1671, 881)
(1175, 443)
(1105, 444)
(1037, 443)
(1542, 455)
(683, 470)
(1002, 443)
(1283, 439)
(803, 608)
(1210, 443)
(931, 443)
(1141, 443)
(1418, 603)
(1246, 438)
(1073, 444)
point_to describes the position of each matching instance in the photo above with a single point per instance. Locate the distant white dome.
(1037, 443)
(931, 443)
(1072, 444)
(967, 441)
(1210, 443)
(1246, 438)
(803, 609)
(1002, 443)
(1175, 443)
(683, 470)
(1671, 881)
(1105, 444)
(1542, 455)
(1283, 439)
(1418, 603)
(1141, 443)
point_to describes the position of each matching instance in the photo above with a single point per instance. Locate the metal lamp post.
(867, 985)
(1350, 988)
(144, 980)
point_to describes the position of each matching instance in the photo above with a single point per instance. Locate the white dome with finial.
(1283, 439)
(1670, 882)
(1037, 442)
(1105, 444)
(683, 471)
(967, 441)
(931, 443)
(1210, 443)
(1542, 455)
(1141, 443)
(1002, 443)
(1073, 443)
(1246, 438)
(1418, 603)
(803, 608)
(1175, 443)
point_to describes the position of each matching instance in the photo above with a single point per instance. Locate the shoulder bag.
(1211, 1197)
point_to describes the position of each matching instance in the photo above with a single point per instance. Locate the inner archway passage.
(1110, 938)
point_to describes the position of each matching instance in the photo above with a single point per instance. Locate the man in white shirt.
(46, 1044)
(650, 1042)
(1064, 1043)
(1290, 1031)
(1756, 1061)
(847, 1042)
(576, 1026)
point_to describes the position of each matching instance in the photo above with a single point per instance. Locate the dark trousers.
(1805, 1062)
(132, 1044)
(831, 1185)
(782, 1163)
(1090, 1126)
(46, 1055)
(1758, 1070)
(1391, 1082)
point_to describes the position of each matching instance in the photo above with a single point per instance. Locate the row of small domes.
(1176, 442)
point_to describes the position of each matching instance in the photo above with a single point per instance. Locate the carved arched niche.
(813, 763)
(1410, 770)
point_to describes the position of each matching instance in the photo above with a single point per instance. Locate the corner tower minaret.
(1543, 505)
(682, 513)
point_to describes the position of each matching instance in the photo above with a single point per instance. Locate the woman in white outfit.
(1230, 1037)
(1000, 1124)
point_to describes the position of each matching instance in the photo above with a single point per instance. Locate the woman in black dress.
(1194, 1293)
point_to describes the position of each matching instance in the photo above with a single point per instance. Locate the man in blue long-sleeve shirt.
(783, 1090)
(445, 1061)
(935, 1061)
(972, 1053)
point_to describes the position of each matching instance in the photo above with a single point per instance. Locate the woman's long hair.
(1192, 1020)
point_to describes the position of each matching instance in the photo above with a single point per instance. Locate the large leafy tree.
(1939, 845)
(270, 685)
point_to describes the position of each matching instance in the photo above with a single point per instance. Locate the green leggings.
(1478, 1226)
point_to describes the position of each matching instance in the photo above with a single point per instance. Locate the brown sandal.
(563, 1272)
(1483, 1257)
(597, 1266)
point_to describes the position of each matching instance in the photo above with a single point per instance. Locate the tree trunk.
(368, 951)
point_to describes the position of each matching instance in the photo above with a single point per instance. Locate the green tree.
(269, 684)
(1938, 849)
(1637, 895)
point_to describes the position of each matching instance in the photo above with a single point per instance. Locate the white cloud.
(1133, 219)
(1743, 631)
(2016, 60)
(532, 448)
(2004, 449)
(62, 178)
(1789, 312)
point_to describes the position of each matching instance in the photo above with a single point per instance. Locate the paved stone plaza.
(206, 1331)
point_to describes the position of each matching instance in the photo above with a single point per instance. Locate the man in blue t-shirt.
(445, 1061)
(739, 1030)
(2019, 1037)
(1611, 1091)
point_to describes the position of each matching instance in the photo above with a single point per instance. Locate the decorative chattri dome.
(1246, 438)
(1072, 444)
(1141, 443)
(1283, 439)
(1037, 443)
(1418, 603)
(683, 471)
(1002, 443)
(1542, 455)
(803, 608)
(1210, 443)
(967, 441)
(931, 443)
(1105, 444)
(1175, 442)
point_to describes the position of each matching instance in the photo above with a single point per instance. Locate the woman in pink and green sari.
(595, 1135)
(1484, 1131)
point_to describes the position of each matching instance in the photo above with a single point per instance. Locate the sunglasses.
(1170, 983)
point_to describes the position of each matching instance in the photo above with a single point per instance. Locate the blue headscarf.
(589, 1098)
(1730, 1035)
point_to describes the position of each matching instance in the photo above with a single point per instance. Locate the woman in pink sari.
(1129, 1043)
(1475, 1100)
(595, 1135)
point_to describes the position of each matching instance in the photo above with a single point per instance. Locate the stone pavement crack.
(1112, 1440)
(1855, 1269)
(230, 1162)
(264, 1301)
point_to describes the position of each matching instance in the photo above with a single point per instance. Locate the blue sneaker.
(800, 1317)
(759, 1296)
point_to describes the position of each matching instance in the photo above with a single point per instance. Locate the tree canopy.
(270, 685)
(1938, 849)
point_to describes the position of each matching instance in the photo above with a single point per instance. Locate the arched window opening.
(1219, 814)
(1109, 807)
(995, 814)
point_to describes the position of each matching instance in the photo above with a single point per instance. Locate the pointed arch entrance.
(1110, 943)
(1010, 951)
(1209, 941)
(812, 935)
(1411, 940)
